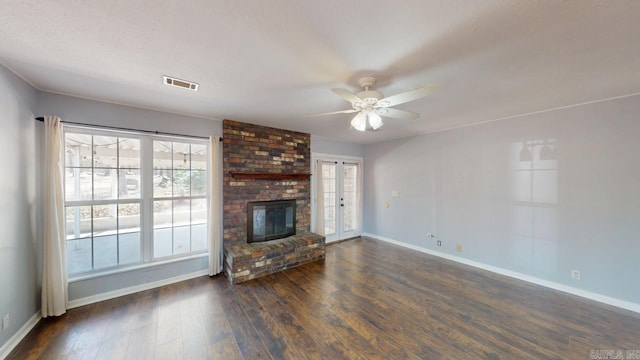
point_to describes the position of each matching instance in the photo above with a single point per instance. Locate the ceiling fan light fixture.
(371, 105)
(375, 120)
(359, 122)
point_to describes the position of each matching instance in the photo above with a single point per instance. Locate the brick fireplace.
(262, 164)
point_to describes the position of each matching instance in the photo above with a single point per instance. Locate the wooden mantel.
(269, 176)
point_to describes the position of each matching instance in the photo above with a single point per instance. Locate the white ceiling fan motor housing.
(369, 96)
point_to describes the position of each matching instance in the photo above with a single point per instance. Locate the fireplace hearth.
(270, 220)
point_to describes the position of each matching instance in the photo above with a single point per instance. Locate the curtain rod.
(127, 129)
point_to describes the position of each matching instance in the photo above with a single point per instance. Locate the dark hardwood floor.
(367, 300)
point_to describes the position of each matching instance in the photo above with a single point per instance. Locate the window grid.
(329, 186)
(103, 182)
(92, 203)
(179, 165)
(349, 193)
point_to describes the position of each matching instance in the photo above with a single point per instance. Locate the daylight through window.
(132, 199)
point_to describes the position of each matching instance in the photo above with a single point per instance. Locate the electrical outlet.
(458, 247)
(439, 243)
(394, 193)
(5, 322)
(575, 274)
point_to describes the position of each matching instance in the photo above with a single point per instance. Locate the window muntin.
(179, 198)
(349, 194)
(105, 199)
(329, 186)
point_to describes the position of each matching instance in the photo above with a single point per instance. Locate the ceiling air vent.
(180, 83)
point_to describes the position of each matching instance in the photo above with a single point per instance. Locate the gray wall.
(100, 113)
(324, 145)
(19, 203)
(74, 109)
(576, 208)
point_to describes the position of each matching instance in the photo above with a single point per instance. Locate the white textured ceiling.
(271, 62)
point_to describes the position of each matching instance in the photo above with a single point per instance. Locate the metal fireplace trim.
(250, 206)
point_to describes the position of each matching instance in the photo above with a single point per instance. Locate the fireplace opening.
(270, 220)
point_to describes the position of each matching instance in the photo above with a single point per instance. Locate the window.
(341, 178)
(340, 181)
(179, 198)
(329, 186)
(114, 181)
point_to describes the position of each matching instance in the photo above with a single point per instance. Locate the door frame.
(314, 177)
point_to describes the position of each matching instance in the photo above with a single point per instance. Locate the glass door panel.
(349, 197)
(341, 199)
(329, 186)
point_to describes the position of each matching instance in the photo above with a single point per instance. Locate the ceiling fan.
(371, 105)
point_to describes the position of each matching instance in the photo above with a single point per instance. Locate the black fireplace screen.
(270, 220)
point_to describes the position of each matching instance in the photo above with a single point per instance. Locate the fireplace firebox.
(270, 220)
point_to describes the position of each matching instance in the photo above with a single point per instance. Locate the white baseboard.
(627, 305)
(133, 289)
(13, 341)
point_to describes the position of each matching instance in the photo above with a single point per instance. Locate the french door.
(341, 200)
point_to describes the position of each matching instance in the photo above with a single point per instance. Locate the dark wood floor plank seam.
(252, 310)
(270, 292)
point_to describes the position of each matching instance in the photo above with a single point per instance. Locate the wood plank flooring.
(366, 300)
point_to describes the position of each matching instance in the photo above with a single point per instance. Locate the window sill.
(82, 277)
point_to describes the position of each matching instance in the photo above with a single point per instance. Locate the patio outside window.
(132, 199)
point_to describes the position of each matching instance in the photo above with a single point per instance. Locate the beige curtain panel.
(215, 226)
(54, 270)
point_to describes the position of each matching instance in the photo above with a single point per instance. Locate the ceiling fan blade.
(406, 96)
(347, 95)
(334, 112)
(397, 114)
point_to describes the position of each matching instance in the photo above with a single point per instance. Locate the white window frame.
(150, 197)
(314, 177)
(146, 198)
